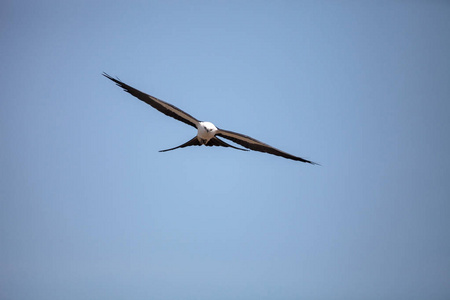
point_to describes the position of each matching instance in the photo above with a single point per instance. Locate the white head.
(208, 126)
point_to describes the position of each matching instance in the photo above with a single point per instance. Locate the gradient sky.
(89, 209)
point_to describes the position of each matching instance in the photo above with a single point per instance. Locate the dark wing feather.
(218, 142)
(164, 107)
(256, 145)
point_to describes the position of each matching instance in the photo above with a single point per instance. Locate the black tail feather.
(217, 142)
(192, 142)
(212, 142)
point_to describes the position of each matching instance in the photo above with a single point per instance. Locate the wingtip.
(116, 80)
(110, 77)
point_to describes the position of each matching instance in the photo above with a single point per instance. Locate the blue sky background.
(90, 210)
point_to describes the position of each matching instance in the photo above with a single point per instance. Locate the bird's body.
(207, 132)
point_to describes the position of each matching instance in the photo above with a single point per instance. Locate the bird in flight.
(207, 133)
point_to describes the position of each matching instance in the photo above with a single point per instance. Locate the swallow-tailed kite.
(207, 133)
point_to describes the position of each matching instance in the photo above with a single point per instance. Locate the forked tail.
(212, 142)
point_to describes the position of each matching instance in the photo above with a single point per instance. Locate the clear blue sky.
(89, 209)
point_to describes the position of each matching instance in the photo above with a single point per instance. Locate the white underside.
(206, 131)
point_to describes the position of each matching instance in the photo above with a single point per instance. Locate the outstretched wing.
(256, 145)
(164, 107)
